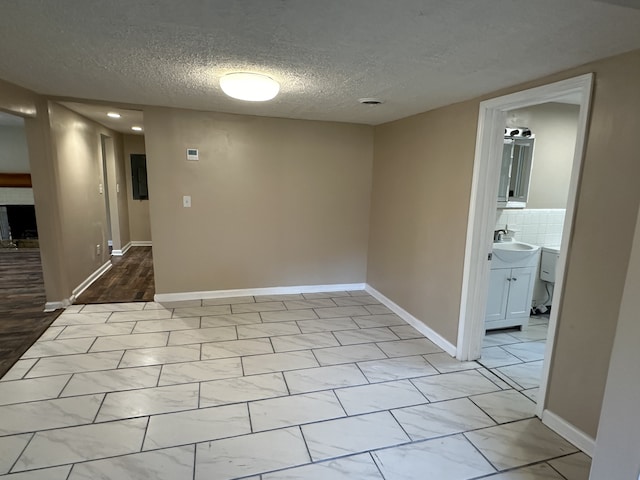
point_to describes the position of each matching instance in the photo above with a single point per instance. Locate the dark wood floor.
(22, 299)
(129, 280)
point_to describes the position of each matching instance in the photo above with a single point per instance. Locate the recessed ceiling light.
(370, 101)
(113, 115)
(252, 87)
(136, 128)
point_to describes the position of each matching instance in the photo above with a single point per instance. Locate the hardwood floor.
(22, 299)
(129, 280)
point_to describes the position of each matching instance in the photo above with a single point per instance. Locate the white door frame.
(482, 211)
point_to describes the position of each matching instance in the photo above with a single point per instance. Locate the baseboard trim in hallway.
(242, 292)
(574, 435)
(436, 338)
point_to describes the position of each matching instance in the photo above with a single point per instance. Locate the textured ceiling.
(414, 54)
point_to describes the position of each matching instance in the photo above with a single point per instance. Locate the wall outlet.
(186, 201)
(98, 249)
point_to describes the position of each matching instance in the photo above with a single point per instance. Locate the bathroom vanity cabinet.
(514, 266)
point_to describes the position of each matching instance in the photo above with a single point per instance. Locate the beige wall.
(275, 202)
(618, 442)
(14, 156)
(417, 232)
(555, 126)
(139, 221)
(77, 152)
(421, 187)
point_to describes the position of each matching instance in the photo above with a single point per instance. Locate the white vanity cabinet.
(510, 294)
(512, 277)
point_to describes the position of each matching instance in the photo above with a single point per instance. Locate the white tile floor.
(315, 386)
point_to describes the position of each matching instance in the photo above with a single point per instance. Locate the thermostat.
(192, 154)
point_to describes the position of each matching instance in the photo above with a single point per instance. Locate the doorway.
(110, 190)
(482, 213)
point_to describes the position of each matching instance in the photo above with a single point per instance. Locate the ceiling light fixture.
(113, 115)
(252, 87)
(136, 128)
(370, 101)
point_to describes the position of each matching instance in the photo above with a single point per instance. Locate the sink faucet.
(497, 235)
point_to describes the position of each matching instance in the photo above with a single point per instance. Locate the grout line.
(33, 434)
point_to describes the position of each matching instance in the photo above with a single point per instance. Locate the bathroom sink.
(514, 246)
(515, 253)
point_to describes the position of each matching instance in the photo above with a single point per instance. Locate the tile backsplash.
(541, 227)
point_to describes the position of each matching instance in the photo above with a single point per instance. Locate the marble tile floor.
(293, 387)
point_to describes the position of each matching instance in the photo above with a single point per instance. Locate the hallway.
(130, 279)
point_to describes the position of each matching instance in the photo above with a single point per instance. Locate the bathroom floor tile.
(541, 471)
(288, 315)
(283, 297)
(348, 354)
(112, 380)
(405, 332)
(445, 363)
(157, 314)
(52, 348)
(168, 464)
(10, 449)
(450, 458)
(334, 312)
(202, 335)
(257, 307)
(356, 467)
(267, 330)
(125, 342)
(200, 371)
(81, 319)
(316, 295)
(493, 357)
(242, 389)
(250, 454)
(96, 330)
(527, 351)
(385, 320)
(230, 320)
(527, 375)
(75, 363)
(32, 389)
(168, 325)
(195, 426)
(519, 443)
(113, 307)
(396, 368)
(441, 418)
(236, 348)
(336, 438)
(327, 325)
(159, 355)
(379, 396)
(355, 301)
(454, 385)
(313, 303)
(304, 341)
(148, 401)
(183, 312)
(505, 406)
(365, 335)
(294, 410)
(573, 467)
(227, 300)
(54, 473)
(324, 378)
(87, 442)
(19, 369)
(277, 362)
(403, 348)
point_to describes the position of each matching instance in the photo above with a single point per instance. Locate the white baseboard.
(51, 306)
(572, 434)
(175, 297)
(89, 280)
(435, 337)
(141, 243)
(119, 253)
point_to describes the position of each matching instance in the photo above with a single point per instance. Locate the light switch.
(100, 188)
(117, 188)
(186, 201)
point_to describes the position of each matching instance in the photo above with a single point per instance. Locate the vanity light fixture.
(136, 128)
(113, 115)
(251, 87)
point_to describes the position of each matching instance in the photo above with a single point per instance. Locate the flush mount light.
(252, 87)
(370, 101)
(113, 115)
(136, 128)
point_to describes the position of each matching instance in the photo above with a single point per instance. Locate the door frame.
(482, 211)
